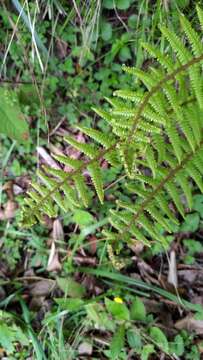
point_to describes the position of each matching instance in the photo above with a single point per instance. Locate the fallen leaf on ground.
(53, 261)
(172, 272)
(85, 348)
(93, 244)
(62, 48)
(47, 158)
(190, 324)
(191, 276)
(58, 233)
(42, 288)
(9, 211)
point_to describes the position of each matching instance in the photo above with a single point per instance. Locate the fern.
(156, 140)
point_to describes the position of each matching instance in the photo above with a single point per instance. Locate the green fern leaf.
(175, 141)
(195, 175)
(176, 44)
(193, 37)
(103, 139)
(87, 149)
(150, 158)
(172, 190)
(82, 189)
(163, 204)
(158, 217)
(183, 182)
(95, 173)
(70, 162)
(70, 196)
(103, 114)
(200, 15)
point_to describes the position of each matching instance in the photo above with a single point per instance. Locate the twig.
(18, 82)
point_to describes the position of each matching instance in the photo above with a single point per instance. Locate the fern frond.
(96, 176)
(192, 35)
(103, 139)
(155, 137)
(51, 184)
(200, 15)
(82, 189)
(163, 59)
(150, 158)
(87, 149)
(65, 160)
(183, 54)
(158, 190)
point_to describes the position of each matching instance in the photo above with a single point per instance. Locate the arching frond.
(154, 138)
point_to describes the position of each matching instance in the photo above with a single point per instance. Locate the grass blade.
(141, 284)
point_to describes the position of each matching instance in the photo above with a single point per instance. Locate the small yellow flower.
(118, 300)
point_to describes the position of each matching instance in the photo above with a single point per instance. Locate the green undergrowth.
(100, 310)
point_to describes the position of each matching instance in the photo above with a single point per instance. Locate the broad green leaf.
(108, 4)
(132, 21)
(106, 31)
(12, 121)
(117, 343)
(193, 246)
(125, 54)
(28, 95)
(93, 312)
(7, 337)
(134, 340)
(82, 218)
(137, 310)
(177, 346)
(122, 4)
(191, 223)
(120, 311)
(20, 336)
(99, 317)
(147, 351)
(71, 287)
(198, 204)
(159, 338)
(69, 304)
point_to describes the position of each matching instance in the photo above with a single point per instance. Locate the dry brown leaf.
(200, 346)
(191, 276)
(172, 272)
(137, 247)
(47, 158)
(8, 187)
(42, 288)
(93, 244)
(190, 324)
(55, 150)
(153, 306)
(9, 211)
(58, 233)
(55, 264)
(85, 348)
(85, 260)
(17, 189)
(36, 302)
(62, 48)
(53, 261)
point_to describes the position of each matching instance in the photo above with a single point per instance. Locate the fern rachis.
(158, 131)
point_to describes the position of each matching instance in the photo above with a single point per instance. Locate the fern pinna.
(156, 135)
